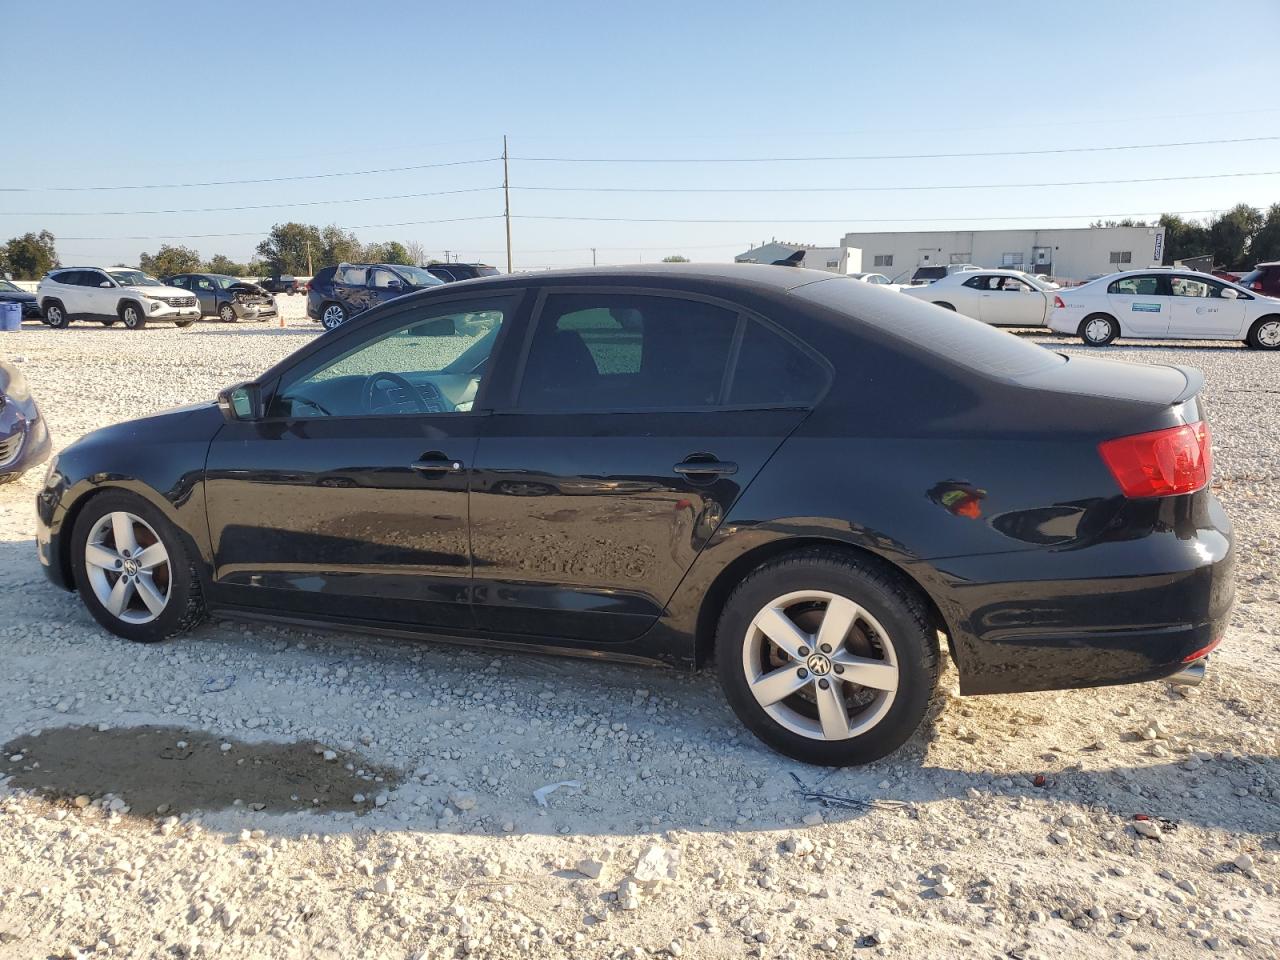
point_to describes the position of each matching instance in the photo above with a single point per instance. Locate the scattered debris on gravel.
(1138, 820)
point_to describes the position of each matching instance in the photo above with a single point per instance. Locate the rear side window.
(70, 277)
(353, 276)
(923, 327)
(601, 352)
(322, 277)
(1135, 286)
(773, 371)
(483, 270)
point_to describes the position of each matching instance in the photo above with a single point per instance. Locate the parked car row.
(227, 298)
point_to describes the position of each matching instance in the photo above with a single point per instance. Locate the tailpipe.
(1191, 674)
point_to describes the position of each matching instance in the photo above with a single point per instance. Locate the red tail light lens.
(1257, 285)
(1162, 463)
(1057, 302)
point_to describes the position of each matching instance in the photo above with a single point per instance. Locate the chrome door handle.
(721, 468)
(442, 465)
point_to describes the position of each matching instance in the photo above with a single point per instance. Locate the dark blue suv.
(335, 294)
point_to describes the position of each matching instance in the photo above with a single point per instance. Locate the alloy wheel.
(333, 316)
(820, 665)
(1269, 334)
(131, 317)
(128, 567)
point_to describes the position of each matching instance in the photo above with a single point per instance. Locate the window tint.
(92, 278)
(382, 278)
(69, 277)
(976, 283)
(1189, 287)
(323, 276)
(773, 371)
(179, 282)
(429, 362)
(920, 327)
(353, 276)
(203, 283)
(626, 352)
(1136, 286)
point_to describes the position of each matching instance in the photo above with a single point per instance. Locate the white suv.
(111, 294)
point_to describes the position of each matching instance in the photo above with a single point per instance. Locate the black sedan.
(24, 436)
(12, 293)
(816, 484)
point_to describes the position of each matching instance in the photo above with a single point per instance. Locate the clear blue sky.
(163, 92)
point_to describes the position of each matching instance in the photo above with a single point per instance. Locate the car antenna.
(792, 261)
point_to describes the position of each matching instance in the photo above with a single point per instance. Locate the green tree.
(289, 246)
(675, 258)
(30, 256)
(338, 246)
(1231, 233)
(1183, 238)
(1125, 222)
(223, 264)
(393, 251)
(169, 260)
(1266, 242)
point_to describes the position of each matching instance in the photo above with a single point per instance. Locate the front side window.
(382, 279)
(183, 282)
(92, 278)
(614, 351)
(977, 283)
(204, 283)
(1135, 286)
(430, 361)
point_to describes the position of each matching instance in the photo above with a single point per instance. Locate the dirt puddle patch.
(171, 770)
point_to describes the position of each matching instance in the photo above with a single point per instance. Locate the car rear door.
(351, 288)
(1198, 309)
(349, 499)
(630, 432)
(1141, 304)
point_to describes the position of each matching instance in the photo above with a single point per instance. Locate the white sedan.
(876, 279)
(1166, 305)
(1003, 298)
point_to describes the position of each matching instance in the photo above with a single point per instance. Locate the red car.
(1264, 278)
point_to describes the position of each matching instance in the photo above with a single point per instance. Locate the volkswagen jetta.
(815, 484)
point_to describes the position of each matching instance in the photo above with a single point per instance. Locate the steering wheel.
(412, 394)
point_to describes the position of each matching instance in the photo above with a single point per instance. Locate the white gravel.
(682, 836)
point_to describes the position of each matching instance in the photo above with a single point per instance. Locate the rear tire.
(333, 315)
(1098, 329)
(796, 631)
(154, 562)
(132, 315)
(1264, 334)
(55, 315)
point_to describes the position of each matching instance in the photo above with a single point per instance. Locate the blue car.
(12, 293)
(24, 437)
(336, 294)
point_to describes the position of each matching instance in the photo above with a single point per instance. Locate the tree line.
(1236, 239)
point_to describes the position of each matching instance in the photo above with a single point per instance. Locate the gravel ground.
(1006, 830)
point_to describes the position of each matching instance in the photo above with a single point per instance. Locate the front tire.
(827, 658)
(1098, 329)
(227, 313)
(132, 316)
(333, 315)
(133, 570)
(55, 315)
(1264, 334)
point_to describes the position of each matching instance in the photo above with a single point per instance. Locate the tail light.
(1162, 463)
(1257, 285)
(1057, 302)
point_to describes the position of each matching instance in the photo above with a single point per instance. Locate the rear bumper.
(1121, 611)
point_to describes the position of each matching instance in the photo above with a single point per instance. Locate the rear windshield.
(924, 327)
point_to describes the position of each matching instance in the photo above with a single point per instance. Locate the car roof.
(752, 274)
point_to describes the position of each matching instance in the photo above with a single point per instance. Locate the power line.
(227, 183)
(886, 189)
(257, 206)
(260, 233)
(786, 220)
(897, 156)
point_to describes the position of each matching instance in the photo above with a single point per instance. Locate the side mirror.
(1229, 294)
(241, 402)
(394, 285)
(106, 283)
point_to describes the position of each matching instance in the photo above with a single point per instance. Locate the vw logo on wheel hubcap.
(131, 567)
(819, 665)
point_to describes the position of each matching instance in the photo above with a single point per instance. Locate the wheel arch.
(127, 300)
(722, 586)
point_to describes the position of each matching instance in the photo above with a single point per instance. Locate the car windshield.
(417, 276)
(134, 278)
(9, 287)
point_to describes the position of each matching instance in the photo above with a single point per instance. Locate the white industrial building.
(841, 259)
(1070, 254)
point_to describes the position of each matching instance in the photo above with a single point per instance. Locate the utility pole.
(506, 198)
(310, 270)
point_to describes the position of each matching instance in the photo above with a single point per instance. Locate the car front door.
(1141, 304)
(206, 292)
(348, 499)
(384, 285)
(1010, 302)
(1200, 310)
(628, 438)
(98, 300)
